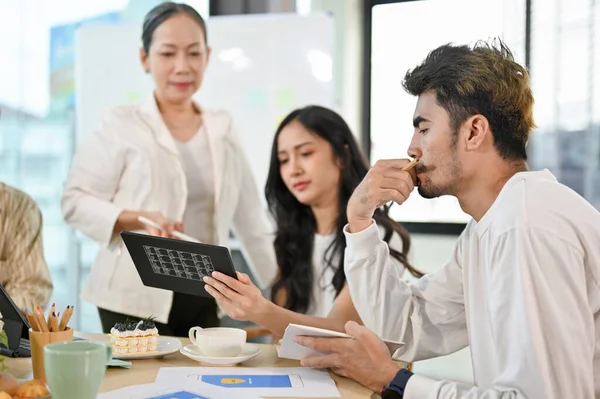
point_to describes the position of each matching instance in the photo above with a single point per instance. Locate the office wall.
(347, 73)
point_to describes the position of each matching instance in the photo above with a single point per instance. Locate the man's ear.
(476, 131)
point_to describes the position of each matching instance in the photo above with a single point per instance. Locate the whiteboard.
(261, 68)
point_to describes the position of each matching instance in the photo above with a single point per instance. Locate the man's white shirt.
(521, 289)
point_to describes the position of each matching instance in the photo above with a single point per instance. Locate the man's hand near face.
(364, 358)
(385, 181)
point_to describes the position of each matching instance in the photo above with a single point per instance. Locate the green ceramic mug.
(75, 369)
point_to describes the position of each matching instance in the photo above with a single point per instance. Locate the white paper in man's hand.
(288, 349)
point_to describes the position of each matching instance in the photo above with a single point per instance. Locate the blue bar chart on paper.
(249, 381)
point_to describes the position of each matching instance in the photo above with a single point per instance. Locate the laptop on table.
(16, 327)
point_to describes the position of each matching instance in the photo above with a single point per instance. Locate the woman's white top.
(198, 217)
(323, 292)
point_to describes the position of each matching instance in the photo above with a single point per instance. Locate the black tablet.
(176, 265)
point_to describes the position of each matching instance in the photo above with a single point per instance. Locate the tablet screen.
(171, 262)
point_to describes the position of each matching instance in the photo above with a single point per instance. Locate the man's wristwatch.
(395, 389)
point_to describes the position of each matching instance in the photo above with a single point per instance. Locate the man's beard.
(432, 190)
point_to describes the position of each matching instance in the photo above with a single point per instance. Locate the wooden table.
(144, 371)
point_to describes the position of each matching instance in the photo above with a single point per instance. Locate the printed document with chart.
(276, 382)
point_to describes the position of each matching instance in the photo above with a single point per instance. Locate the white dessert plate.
(166, 346)
(248, 353)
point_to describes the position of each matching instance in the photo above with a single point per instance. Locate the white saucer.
(166, 346)
(248, 353)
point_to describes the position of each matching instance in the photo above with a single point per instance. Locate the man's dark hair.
(482, 79)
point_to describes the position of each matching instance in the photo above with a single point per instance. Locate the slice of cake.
(134, 337)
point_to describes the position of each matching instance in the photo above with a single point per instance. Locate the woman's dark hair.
(161, 13)
(296, 224)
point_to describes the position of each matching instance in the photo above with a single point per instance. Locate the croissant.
(32, 389)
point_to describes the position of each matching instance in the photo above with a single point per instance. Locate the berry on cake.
(134, 337)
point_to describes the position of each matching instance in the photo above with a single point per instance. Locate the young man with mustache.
(522, 286)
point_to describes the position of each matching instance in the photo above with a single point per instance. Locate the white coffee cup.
(218, 341)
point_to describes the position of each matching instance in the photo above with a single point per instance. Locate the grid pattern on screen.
(170, 262)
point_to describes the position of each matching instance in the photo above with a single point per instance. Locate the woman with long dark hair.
(315, 166)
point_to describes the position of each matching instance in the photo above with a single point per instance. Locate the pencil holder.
(38, 340)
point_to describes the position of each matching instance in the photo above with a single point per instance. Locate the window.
(565, 55)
